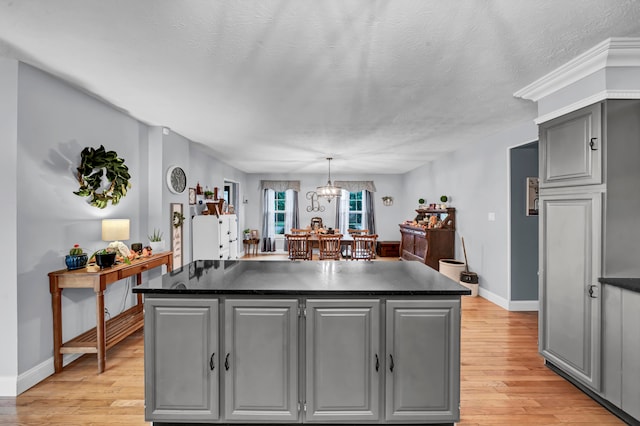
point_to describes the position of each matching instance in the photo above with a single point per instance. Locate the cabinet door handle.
(377, 363)
(211, 363)
(226, 362)
(391, 363)
(593, 144)
(591, 292)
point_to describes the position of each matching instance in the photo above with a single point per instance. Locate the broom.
(466, 276)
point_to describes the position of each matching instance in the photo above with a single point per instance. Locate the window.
(356, 210)
(279, 211)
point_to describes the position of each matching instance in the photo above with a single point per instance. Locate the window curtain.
(342, 212)
(369, 213)
(292, 216)
(268, 227)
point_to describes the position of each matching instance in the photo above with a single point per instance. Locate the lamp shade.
(115, 229)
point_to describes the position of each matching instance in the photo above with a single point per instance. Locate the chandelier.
(328, 191)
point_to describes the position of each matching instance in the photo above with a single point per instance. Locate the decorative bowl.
(76, 261)
(105, 260)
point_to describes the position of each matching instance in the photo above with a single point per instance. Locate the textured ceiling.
(278, 85)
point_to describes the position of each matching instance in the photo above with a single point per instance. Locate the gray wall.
(524, 229)
(8, 216)
(54, 123)
(476, 179)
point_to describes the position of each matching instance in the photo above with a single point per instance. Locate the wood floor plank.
(503, 382)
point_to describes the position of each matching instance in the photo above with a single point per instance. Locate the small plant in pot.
(76, 259)
(247, 234)
(421, 204)
(208, 195)
(155, 241)
(105, 258)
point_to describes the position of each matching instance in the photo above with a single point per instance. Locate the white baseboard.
(524, 305)
(35, 375)
(513, 305)
(8, 386)
(493, 298)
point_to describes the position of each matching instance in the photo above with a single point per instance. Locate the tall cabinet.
(215, 237)
(589, 203)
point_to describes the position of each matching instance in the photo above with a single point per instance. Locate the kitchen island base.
(227, 348)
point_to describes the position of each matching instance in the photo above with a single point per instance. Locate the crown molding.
(613, 52)
(589, 100)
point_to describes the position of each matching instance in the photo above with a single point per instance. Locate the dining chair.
(357, 231)
(363, 247)
(298, 246)
(300, 231)
(329, 246)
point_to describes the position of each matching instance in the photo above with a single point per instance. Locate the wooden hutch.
(429, 245)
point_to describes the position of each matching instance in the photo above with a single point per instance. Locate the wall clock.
(176, 179)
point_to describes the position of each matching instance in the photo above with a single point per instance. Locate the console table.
(104, 335)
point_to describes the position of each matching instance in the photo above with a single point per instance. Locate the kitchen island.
(289, 342)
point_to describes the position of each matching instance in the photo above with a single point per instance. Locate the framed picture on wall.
(177, 219)
(192, 196)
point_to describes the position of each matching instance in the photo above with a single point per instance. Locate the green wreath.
(93, 166)
(178, 219)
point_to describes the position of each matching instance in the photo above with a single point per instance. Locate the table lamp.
(115, 229)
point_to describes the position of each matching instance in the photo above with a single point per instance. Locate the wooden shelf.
(117, 329)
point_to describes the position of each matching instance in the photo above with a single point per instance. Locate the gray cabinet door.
(344, 360)
(570, 308)
(630, 353)
(422, 360)
(261, 360)
(571, 149)
(181, 359)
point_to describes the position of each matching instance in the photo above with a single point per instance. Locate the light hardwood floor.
(503, 382)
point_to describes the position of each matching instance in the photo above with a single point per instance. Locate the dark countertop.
(632, 284)
(303, 278)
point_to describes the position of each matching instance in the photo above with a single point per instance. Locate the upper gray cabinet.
(571, 149)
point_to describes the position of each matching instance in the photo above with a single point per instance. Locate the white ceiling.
(278, 85)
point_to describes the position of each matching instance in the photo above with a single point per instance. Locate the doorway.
(523, 291)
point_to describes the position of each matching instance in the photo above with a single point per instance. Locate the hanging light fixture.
(328, 191)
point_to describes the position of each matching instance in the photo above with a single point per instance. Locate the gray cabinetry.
(422, 360)
(343, 362)
(588, 229)
(621, 338)
(571, 149)
(569, 334)
(181, 359)
(261, 359)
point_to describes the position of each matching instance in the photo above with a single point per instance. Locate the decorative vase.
(105, 260)
(76, 261)
(156, 246)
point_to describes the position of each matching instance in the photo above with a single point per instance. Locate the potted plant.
(105, 258)
(444, 199)
(76, 259)
(208, 194)
(247, 234)
(421, 204)
(155, 241)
